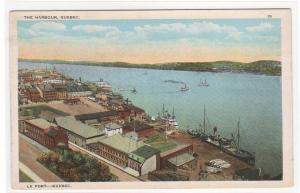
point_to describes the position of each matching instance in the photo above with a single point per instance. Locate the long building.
(79, 133)
(105, 116)
(45, 133)
(128, 153)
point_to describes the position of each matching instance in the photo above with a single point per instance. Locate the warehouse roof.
(181, 159)
(97, 115)
(137, 126)
(122, 143)
(41, 123)
(143, 153)
(77, 127)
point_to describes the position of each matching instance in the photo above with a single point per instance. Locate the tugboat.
(203, 83)
(134, 91)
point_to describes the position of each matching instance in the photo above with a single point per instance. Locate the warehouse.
(79, 133)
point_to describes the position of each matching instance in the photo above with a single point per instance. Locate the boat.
(134, 91)
(203, 83)
(230, 146)
(184, 88)
(103, 84)
(235, 149)
(170, 120)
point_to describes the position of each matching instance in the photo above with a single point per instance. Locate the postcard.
(151, 99)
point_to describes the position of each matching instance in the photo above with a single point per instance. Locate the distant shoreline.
(266, 67)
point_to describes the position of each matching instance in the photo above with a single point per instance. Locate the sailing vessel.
(230, 146)
(203, 83)
(184, 88)
(235, 149)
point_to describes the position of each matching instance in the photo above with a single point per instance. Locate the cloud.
(260, 27)
(193, 28)
(48, 25)
(94, 28)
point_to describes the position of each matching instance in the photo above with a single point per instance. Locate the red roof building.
(45, 133)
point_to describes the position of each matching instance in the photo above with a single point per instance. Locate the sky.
(151, 40)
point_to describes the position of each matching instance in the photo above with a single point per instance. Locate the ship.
(203, 83)
(170, 120)
(184, 88)
(103, 84)
(230, 146)
(134, 91)
(235, 149)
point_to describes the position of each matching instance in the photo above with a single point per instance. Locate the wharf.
(206, 152)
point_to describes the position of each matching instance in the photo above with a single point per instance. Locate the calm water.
(255, 99)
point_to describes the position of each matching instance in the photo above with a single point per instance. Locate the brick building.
(141, 128)
(45, 133)
(116, 148)
(105, 116)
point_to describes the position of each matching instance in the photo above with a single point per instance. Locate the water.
(255, 99)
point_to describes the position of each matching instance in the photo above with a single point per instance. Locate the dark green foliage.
(76, 167)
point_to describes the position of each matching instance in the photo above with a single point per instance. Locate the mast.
(204, 120)
(238, 135)
(173, 114)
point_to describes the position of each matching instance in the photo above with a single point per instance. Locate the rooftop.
(76, 87)
(137, 125)
(41, 123)
(112, 126)
(143, 153)
(122, 143)
(181, 159)
(97, 115)
(77, 127)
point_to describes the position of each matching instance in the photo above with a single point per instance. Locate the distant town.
(73, 130)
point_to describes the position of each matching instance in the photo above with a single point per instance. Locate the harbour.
(247, 98)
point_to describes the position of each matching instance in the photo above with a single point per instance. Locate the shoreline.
(180, 66)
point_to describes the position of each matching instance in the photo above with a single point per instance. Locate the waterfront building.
(33, 94)
(116, 148)
(47, 92)
(98, 117)
(44, 132)
(183, 161)
(167, 157)
(75, 90)
(79, 133)
(144, 159)
(141, 128)
(113, 129)
(61, 92)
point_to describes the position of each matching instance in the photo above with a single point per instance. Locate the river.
(254, 99)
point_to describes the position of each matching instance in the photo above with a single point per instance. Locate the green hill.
(269, 67)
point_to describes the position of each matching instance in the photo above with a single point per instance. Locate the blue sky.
(189, 40)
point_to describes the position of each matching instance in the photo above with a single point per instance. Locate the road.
(28, 154)
(122, 176)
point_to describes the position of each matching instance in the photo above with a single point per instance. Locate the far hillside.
(268, 67)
